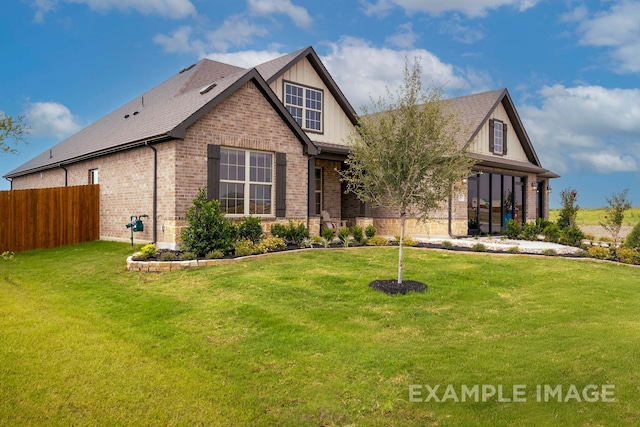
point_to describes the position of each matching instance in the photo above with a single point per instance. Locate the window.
(318, 178)
(93, 176)
(497, 137)
(305, 105)
(246, 182)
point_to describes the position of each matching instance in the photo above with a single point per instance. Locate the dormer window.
(305, 105)
(497, 137)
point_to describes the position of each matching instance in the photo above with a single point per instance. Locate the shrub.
(208, 229)
(479, 247)
(370, 231)
(551, 233)
(168, 256)
(633, 239)
(530, 231)
(216, 254)
(447, 245)
(598, 252)
(343, 235)
(278, 230)
(629, 256)
(571, 236)
(250, 229)
(328, 234)
(549, 252)
(377, 241)
(243, 247)
(148, 251)
(270, 244)
(358, 233)
(187, 256)
(512, 229)
(514, 250)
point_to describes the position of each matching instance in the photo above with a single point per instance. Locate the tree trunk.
(401, 243)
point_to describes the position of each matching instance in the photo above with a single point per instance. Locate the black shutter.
(281, 185)
(213, 172)
(504, 139)
(491, 134)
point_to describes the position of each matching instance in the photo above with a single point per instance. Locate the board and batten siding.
(480, 144)
(336, 125)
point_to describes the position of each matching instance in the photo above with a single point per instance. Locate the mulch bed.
(392, 287)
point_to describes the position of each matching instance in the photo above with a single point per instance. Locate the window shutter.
(213, 172)
(281, 185)
(504, 139)
(491, 134)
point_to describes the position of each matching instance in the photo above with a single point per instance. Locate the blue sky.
(572, 67)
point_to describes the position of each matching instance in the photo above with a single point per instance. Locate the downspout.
(66, 172)
(155, 191)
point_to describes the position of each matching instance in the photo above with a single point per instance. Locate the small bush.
(549, 252)
(278, 230)
(215, 254)
(629, 256)
(328, 234)
(168, 256)
(598, 252)
(633, 239)
(343, 235)
(571, 236)
(514, 250)
(270, 244)
(358, 233)
(512, 229)
(551, 233)
(148, 251)
(187, 256)
(479, 247)
(370, 231)
(377, 241)
(447, 245)
(250, 229)
(243, 247)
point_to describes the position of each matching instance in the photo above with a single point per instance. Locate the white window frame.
(305, 108)
(247, 182)
(498, 147)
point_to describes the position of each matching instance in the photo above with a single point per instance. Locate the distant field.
(595, 216)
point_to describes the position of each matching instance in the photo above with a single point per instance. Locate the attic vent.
(187, 69)
(207, 88)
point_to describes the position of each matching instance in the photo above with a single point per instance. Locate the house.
(269, 142)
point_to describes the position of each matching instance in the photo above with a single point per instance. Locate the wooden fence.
(49, 217)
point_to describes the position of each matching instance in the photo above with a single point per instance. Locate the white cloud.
(167, 8)
(473, 9)
(298, 14)
(587, 128)
(405, 38)
(51, 119)
(619, 30)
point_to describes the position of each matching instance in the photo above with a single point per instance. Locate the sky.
(571, 67)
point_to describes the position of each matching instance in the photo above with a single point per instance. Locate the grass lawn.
(596, 216)
(299, 339)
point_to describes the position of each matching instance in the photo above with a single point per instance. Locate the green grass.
(299, 339)
(596, 216)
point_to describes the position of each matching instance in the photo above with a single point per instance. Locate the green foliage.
(633, 238)
(343, 236)
(514, 250)
(12, 129)
(447, 245)
(512, 229)
(571, 236)
(270, 244)
(167, 256)
(358, 233)
(628, 256)
(618, 205)
(243, 247)
(187, 256)
(479, 247)
(148, 251)
(251, 229)
(279, 230)
(598, 252)
(378, 241)
(215, 254)
(328, 234)
(549, 252)
(551, 232)
(569, 211)
(370, 231)
(208, 229)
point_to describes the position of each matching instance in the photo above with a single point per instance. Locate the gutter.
(155, 192)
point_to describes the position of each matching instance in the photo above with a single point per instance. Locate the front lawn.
(299, 339)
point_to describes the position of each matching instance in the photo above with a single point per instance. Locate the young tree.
(618, 205)
(12, 129)
(406, 153)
